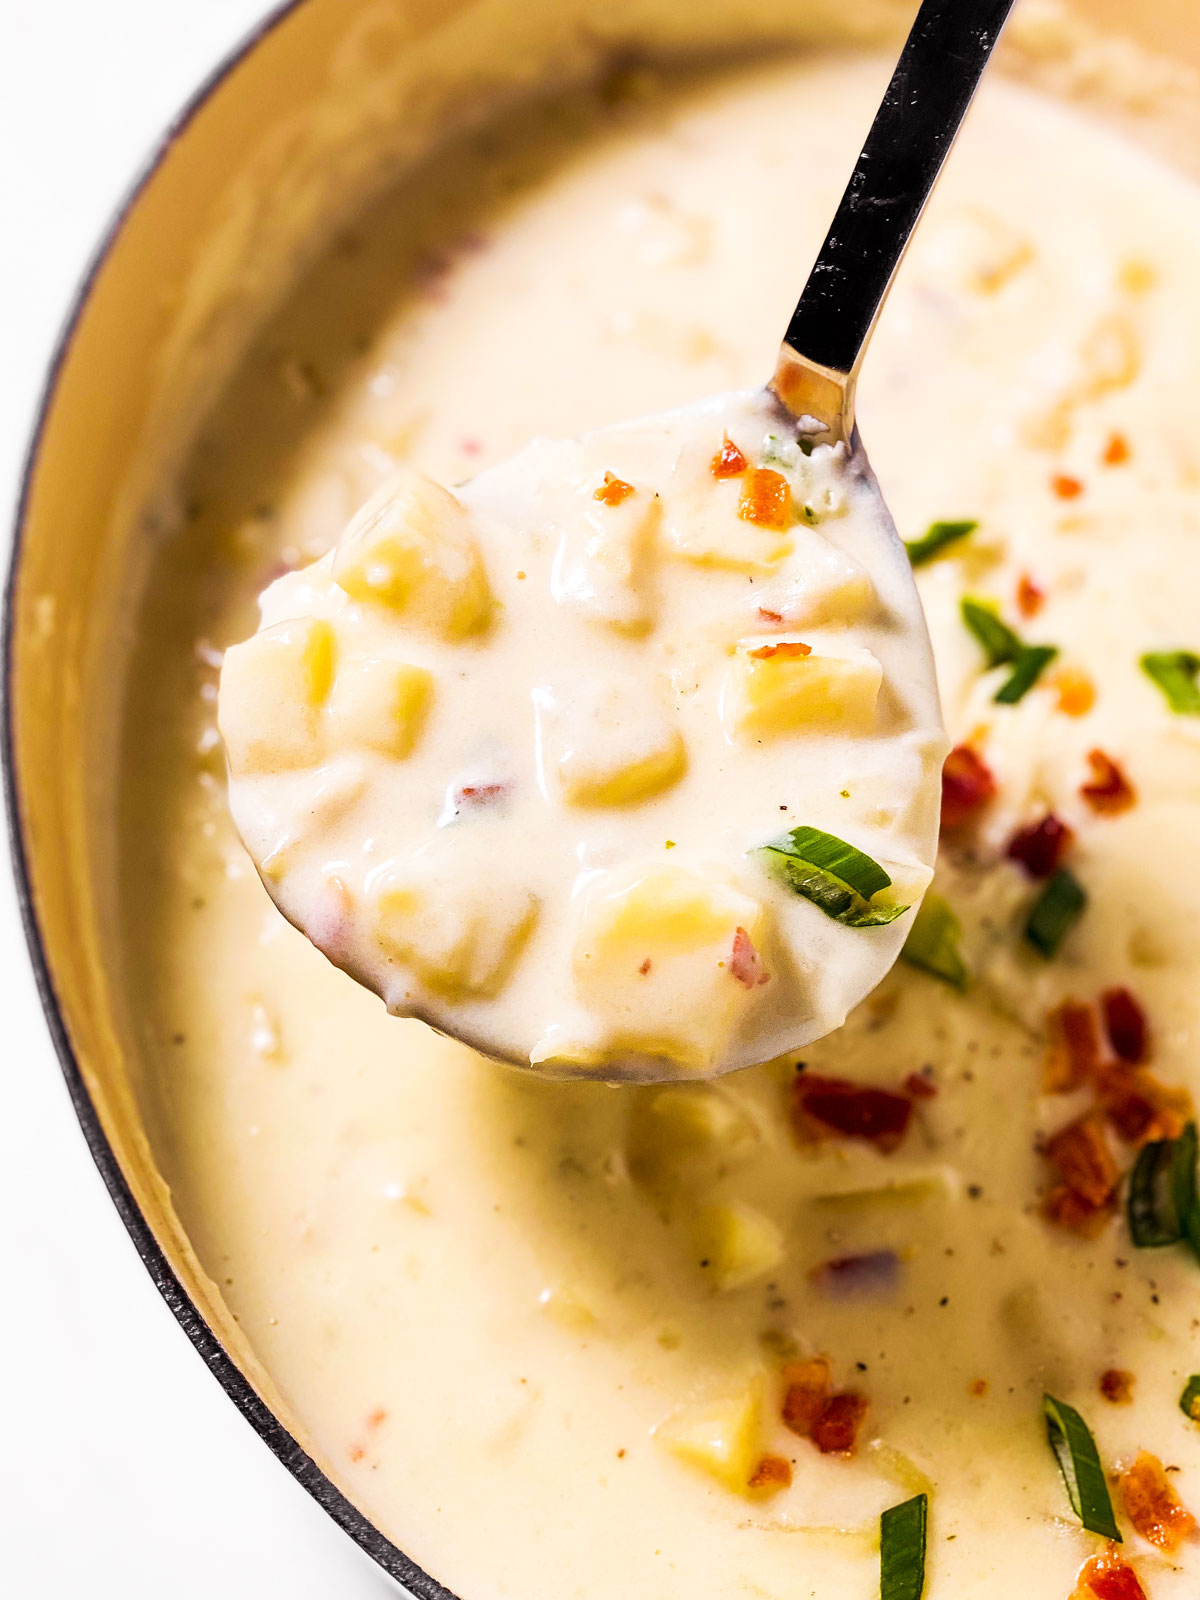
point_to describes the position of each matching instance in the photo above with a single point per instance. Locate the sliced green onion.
(1189, 1400)
(1176, 673)
(932, 943)
(1027, 669)
(935, 539)
(836, 877)
(902, 1549)
(780, 452)
(996, 639)
(1055, 912)
(1162, 1206)
(1075, 1451)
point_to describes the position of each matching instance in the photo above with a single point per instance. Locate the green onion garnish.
(1162, 1206)
(1176, 673)
(902, 1550)
(1189, 1400)
(836, 877)
(935, 539)
(1075, 1451)
(780, 452)
(1000, 645)
(932, 943)
(1055, 912)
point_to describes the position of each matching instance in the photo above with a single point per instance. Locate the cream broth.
(543, 1333)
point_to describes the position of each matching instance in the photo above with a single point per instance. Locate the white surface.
(124, 1470)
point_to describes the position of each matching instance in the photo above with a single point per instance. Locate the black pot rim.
(218, 1361)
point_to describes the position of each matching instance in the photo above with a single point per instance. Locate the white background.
(124, 1470)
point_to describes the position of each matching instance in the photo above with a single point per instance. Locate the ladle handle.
(933, 84)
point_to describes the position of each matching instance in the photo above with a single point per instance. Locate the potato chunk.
(779, 685)
(737, 1244)
(272, 689)
(379, 705)
(611, 744)
(720, 1436)
(431, 913)
(704, 524)
(658, 959)
(603, 568)
(412, 548)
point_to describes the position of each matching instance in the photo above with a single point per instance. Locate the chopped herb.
(1176, 673)
(1000, 646)
(932, 942)
(780, 452)
(836, 877)
(1055, 912)
(1162, 1206)
(902, 1549)
(1075, 1451)
(936, 538)
(1189, 1400)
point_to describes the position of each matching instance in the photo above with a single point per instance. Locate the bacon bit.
(745, 963)
(766, 499)
(827, 1107)
(835, 1432)
(772, 1472)
(967, 786)
(613, 490)
(979, 1388)
(1040, 846)
(729, 462)
(1116, 1386)
(1125, 1024)
(1084, 1161)
(1076, 691)
(1072, 1047)
(1139, 1107)
(775, 617)
(480, 794)
(1074, 1214)
(1110, 791)
(920, 1087)
(1030, 598)
(471, 447)
(1108, 1577)
(788, 648)
(806, 1389)
(644, 969)
(1066, 488)
(1152, 1505)
(1116, 451)
(356, 1452)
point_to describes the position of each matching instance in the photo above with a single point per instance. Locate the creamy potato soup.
(567, 1340)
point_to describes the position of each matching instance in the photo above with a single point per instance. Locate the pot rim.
(204, 1340)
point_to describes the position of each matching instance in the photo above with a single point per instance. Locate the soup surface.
(545, 1334)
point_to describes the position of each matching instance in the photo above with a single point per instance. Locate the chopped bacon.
(1030, 598)
(1116, 1386)
(789, 648)
(1152, 1505)
(1040, 846)
(827, 1107)
(771, 1472)
(767, 615)
(766, 499)
(356, 1452)
(919, 1086)
(1072, 1047)
(644, 969)
(1116, 451)
(1086, 1164)
(1108, 1577)
(1125, 1024)
(835, 1432)
(613, 490)
(1140, 1107)
(1065, 487)
(377, 1418)
(806, 1389)
(1109, 791)
(479, 794)
(1076, 691)
(1070, 1211)
(745, 963)
(967, 786)
(729, 462)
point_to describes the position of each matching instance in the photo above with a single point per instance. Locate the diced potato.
(654, 961)
(450, 914)
(687, 1116)
(272, 690)
(778, 687)
(379, 705)
(737, 1244)
(412, 548)
(612, 743)
(820, 587)
(720, 1436)
(702, 524)
(604, 564)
